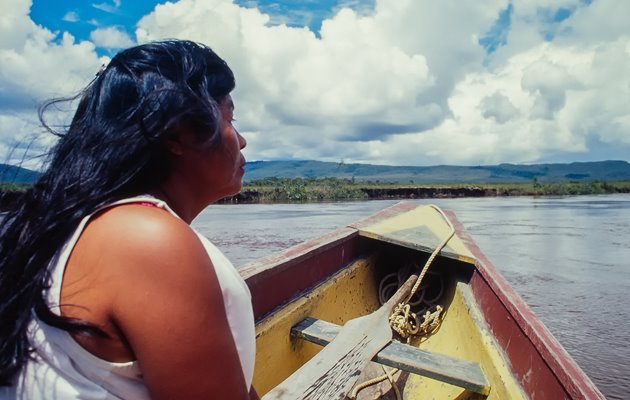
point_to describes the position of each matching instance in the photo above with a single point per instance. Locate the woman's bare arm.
(168, 305)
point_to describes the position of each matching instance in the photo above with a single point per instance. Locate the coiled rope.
(404, 322)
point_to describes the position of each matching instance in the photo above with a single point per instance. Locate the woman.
(105, 289)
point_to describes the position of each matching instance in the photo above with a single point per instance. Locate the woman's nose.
(241, 140)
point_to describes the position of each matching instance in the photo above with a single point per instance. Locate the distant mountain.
(13, 174)
(502, 173)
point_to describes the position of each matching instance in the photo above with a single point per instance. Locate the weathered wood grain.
(334, 370)
(461, 373)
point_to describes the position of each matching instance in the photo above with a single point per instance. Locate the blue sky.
(81, 17)
(419, 82)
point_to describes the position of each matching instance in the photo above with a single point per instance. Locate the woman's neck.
(185, 206)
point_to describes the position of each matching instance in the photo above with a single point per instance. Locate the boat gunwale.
(290, 263)
(285, 258)
(569, 374)
(286, 269)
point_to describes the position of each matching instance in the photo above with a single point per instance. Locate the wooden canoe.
(489, 344)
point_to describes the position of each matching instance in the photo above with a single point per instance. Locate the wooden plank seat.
(461, 373)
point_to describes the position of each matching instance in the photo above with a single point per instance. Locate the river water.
(568, 257)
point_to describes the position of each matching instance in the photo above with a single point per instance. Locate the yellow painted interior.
(351, 293)
(348, 294)
(411, 220)
(464, 335)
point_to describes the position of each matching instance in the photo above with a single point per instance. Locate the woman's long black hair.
(112, 149)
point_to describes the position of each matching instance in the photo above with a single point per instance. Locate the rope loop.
(402, 320)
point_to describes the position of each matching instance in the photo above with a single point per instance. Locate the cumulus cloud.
(111, 37)
(71, 16)
(364, 7)
(365, 78)
(405, 82)
(552, 100)
(111, 8)
(548, 82)
(601, 21)
(36, 64)
(499, 107)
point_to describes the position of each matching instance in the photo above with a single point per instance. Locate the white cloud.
(363, 7)
(499, 107)
(36, 64)
(407, 83)
(601, 21)
(111, 37)
(548, 82)
(583, 89)
(71, 16)
(14, 25)
(108, 8)
(366, 78)
(291, 17)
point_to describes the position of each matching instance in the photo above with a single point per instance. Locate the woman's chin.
(237, 189)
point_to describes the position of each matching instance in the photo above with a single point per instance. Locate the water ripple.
(568, 257)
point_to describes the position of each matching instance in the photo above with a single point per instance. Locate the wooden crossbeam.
(461, 373)
(331, 374)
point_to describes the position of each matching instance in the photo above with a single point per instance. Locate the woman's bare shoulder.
(137, 232)
(169, 306)
(139, 221)
(134, 246)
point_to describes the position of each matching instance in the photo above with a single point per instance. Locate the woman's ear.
(179, 140)
(174, 145)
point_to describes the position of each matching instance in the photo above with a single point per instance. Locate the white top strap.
(66, 370)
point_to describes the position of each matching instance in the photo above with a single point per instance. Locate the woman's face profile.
(217, 171)
(230, 163)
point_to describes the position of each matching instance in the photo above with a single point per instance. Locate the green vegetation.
(13, 187)
(442, 174)
(533, 188)
(314, 189)
(318, 189)
(577, 188)
(304, 189)
(570, 188)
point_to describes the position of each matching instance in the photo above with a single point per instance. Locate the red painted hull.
(541, 365)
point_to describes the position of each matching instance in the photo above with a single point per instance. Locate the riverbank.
(10, 195)
(313, 189)
(288, 190)
(566, 256)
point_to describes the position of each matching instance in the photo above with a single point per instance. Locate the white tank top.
(62, 369)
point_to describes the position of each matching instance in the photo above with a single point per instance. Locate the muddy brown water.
(568, 257)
